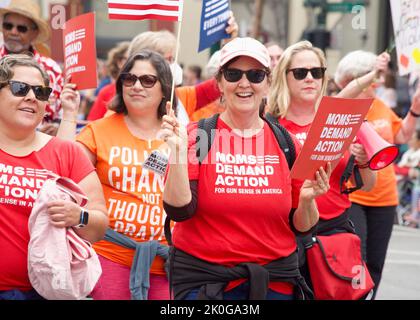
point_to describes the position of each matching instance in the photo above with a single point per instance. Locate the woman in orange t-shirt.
(373, 212)
(118, 146)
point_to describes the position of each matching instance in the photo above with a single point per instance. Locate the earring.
(221, 99)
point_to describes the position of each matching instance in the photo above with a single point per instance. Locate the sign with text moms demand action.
(80, 51)
(333, 130)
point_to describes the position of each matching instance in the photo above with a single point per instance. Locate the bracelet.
(363, 166)
(74, 121)
(415, 115)
(362, 89)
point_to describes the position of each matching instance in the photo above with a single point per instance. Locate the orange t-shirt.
(387, 124)
(200, 101)
(133, 195)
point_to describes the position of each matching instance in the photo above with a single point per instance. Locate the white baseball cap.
(248, 47)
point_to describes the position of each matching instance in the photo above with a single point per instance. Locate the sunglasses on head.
(301, 73)
(146, 80)
(21, 89)
(253, 75)
(20, 28)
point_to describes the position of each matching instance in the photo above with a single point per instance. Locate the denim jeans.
(241, 292)
(20, 295)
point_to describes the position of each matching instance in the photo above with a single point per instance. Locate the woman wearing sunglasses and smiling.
(299, 83)
(234, 238)
(26, 158)
(117, 146)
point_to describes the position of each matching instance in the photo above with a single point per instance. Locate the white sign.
(406, 19)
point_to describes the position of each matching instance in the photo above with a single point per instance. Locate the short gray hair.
(354, 65)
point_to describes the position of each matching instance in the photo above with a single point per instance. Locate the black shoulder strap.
(205, 136)
(350, 169)
(283, 137)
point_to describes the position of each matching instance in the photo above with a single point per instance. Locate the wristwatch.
(84, 219)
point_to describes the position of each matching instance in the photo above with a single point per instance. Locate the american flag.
(145, 9)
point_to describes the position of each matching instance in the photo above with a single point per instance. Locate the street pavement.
(401, 275)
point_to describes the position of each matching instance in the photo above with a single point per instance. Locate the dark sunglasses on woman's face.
(21, 89)
(301, 73)
(146, 80)
(20, 28)
(253, 75)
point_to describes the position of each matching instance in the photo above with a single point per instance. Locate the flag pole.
(176, 54)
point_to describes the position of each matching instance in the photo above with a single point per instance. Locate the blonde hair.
(160, 41)
(279, 96)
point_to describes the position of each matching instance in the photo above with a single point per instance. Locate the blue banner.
(214, 18)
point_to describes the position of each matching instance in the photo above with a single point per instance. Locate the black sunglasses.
(253, 75)
(301, 73)
(21, 89)
(146, 80)
(20, 28)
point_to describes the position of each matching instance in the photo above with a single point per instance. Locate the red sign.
(80, 51)
(333, 130)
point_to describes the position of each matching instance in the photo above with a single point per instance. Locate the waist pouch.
(337, 269)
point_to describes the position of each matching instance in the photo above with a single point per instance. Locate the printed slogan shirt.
(245, 195)
(21, 178)
(133, 194)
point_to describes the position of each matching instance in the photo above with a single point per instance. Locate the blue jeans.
(241, 292)
(20, 295)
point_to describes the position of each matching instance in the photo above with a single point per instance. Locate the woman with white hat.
(238, 210)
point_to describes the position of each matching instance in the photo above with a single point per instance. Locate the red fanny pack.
(337, 269)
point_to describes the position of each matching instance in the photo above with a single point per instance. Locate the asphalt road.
(401, 275)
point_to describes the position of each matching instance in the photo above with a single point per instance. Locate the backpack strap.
(205, 139)
(283, 138)
(350, 169)
(204, 142)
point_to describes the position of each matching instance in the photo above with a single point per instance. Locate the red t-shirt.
(245, 195)
(20, 180)
(100, 106)
(333, 203)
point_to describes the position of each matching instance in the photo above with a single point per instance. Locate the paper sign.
(214, 17)
(406, 18)
(156, 162)
(333, 130)
(80, 51)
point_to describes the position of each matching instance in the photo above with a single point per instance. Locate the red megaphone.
(380, 153)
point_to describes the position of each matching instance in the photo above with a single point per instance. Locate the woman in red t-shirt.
(373, 213)
(27, 158)
(239, 207)
(299, 82)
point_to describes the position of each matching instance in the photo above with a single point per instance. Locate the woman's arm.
(410, 121)
(67, 213)
(70, 102)
(306, 214)
(358, 85)
(177, 191)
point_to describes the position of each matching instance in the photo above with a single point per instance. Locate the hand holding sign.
(318, 187)
(80, 51)
(70, 100)
(172, 132)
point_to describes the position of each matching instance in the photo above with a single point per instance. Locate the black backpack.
(283, 138)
